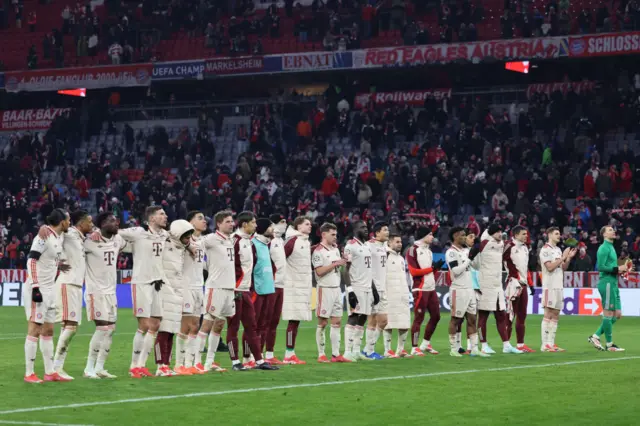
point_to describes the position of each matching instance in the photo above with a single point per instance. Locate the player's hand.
(36, 296)
(192, 250)
(95, 236)
(437, 265)
(376, 296)
(157, 284)
(473, 253)
(572, 253)
(532, 291)
(63, 267)
(353, 299)
(622, 269)
(340, 262)
(43, 232)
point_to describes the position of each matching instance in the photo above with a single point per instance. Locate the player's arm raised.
(130, 234)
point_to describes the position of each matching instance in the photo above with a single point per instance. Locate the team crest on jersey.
(39, 316)
(324, 311)
(212, 309)
(187, 305)
(98, 314)
(140, 310)
(72, 314)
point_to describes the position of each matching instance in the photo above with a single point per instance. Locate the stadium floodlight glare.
(74, 92)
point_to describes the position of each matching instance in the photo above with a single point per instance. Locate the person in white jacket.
(279, 261)
(398, 311)
(172, 292)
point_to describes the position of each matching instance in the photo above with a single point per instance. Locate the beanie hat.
(262, 224)
(493, 228)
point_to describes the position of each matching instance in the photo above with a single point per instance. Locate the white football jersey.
(379, 264)
(194, 265)
(73, 255)
(359, 256)
(220, 261)
(43, 271)
(147, 247)
(551, 280)
(459, 268)
(325, 256)
(102, 260)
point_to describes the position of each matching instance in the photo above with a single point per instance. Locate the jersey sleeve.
(456, 263)
(348, 252)
(130, 234)
(413, 265)
(508, 261)
(209, 241)
(317, 260)
(39, 245)
(546, 255)
(289, 246)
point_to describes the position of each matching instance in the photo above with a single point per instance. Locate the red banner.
(242, 65)
(544, 48)
(604, 44)
(549, 88)
(72, 78)
(407, 97)
(30, 119)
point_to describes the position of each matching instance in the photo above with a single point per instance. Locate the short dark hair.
(222, 215)
(56, 216)
(454, 231)
(327, 226)
(377, 227)
(518, 229)
(299, 221)
(150, 211)
(394, 235)
(470, 231)
(102, 217)
(245, 217)
(192, 214)
(551, 229)
(78, 216)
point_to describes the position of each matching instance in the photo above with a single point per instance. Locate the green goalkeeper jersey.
(607, 261)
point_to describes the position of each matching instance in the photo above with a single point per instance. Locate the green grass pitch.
(581, 386)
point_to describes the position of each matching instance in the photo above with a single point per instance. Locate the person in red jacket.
(330, 185)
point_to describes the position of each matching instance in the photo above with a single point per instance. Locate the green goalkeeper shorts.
(610, 295)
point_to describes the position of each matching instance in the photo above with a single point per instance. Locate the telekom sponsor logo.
(407, 97)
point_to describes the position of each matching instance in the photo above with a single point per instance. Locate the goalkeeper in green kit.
(607, 261)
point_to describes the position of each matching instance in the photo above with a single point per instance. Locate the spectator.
(115, 53)
(12, 252)
(582, 262)
(92, 44)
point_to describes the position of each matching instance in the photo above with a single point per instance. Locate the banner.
(178, 70)
(73, 78)
(241, 65)
(542, 48)
(30, 119)
(316, 61)
(1, 80)
(604, 44)
(549, 88)
(407, 97)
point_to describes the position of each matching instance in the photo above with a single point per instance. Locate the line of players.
(263, 272)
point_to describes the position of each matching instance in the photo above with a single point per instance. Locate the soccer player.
(422, 268)
(463, 297)
(172, 293)
(279, 260)
(100, 296)
(69, 285)
(219, 299)
(39, 297)
(264, 290)
(193, 272)
(378, 319)
(607, 261)
(326, 262)
(488, 262)
(147, 244)
(553, 263)
(298, 283)
(399, 311)
(360, 289)
(245, 312)
(470, 241)
(516, 259)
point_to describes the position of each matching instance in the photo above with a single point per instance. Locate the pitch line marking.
(11, 422)
(310, 385)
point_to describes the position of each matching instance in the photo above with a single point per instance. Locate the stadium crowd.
(453, 161)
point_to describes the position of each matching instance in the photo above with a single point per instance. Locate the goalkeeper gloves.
(157, 284)
(376, 296)
(36, 296)
(353, 299)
